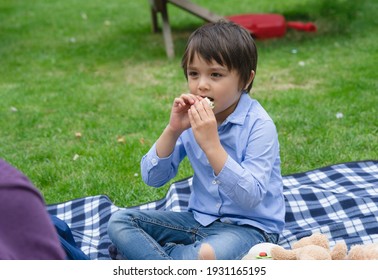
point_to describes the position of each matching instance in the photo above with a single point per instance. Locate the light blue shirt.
(249, 188)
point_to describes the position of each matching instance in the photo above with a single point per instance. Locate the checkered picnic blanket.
(340, 201)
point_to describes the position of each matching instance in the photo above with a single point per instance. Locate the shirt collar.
(241, 110)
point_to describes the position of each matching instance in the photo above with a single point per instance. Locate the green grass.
(94, 67)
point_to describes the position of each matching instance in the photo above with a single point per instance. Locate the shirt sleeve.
(246, 183)
(157, 171)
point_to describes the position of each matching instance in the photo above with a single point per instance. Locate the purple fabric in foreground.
(26, 231)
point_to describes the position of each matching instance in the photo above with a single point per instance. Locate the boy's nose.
(203, 84)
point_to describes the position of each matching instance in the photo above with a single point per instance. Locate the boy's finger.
(188, 98)
(191, 118)
(207, 108)
(179, 102)
(195, 114)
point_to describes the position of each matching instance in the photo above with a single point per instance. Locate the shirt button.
(214, 182)
(154, 161)
(218, 205)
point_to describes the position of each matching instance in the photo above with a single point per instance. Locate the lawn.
(86, 88)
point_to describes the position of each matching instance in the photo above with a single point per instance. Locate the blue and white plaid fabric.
(340, 201)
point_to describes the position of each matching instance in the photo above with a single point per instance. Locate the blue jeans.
(165, 235)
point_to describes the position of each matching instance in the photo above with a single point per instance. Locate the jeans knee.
(206, 252)
(116, 222)
(111, 224)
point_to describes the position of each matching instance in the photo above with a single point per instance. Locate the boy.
(236, 200)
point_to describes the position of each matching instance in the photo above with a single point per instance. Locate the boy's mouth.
(210, 102)
(210, 98)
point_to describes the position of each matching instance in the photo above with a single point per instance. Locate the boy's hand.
(204, 125)
(205, 130)
(179, 120)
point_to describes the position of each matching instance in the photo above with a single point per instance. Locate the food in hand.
(211, 103)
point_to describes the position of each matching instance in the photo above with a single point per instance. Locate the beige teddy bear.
(363, 252)
(314, 247)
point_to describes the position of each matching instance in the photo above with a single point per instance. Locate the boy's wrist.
(217, 157)
(166, 142)
(173, 132)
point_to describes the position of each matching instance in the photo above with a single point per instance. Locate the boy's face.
(216, 82)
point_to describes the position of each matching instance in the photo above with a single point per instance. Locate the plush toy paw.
(314, 247)
(363, 252)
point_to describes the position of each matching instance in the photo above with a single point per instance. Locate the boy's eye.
(216, 75)
(192, 73)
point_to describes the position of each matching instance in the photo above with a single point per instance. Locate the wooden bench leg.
(155, 27)
(160, 6)
(168, 41)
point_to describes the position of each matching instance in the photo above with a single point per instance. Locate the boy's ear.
(251, 77)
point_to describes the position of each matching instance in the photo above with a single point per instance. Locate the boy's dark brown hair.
(227, 43)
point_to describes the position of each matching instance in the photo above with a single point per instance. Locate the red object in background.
(308, 27)
(264, 26)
